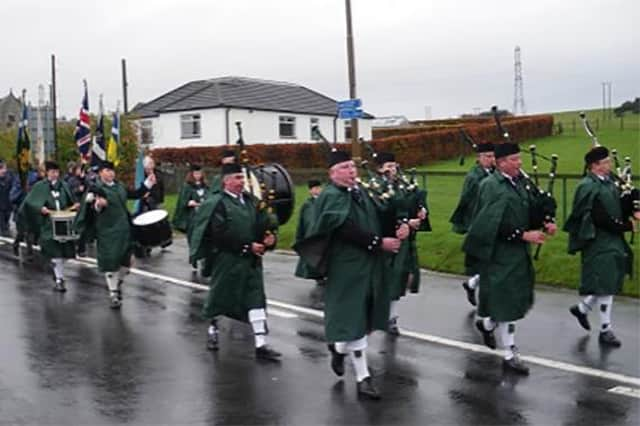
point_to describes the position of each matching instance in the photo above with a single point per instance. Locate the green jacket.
(463, 214)
(356, 296)
(506, 272)
(183, 217)
(223, 231)
(605, 255)
(41, 195)
(111, 226)
(305, 222)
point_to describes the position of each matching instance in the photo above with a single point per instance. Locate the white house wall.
(257, 127)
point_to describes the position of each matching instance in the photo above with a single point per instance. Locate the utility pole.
(54, 107)
(125, 85)
(609, 103)
(355, 145)
(604, 101)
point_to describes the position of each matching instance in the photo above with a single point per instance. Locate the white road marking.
(625, 390)
(472, 347)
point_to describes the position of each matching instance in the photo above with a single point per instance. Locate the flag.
(98, 152)
(82, 133)
(114, 140)
(23, 144)
(139, 179)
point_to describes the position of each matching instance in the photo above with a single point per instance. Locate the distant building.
(10, 109)
(46, 115)
(204, 112)
(390, 121)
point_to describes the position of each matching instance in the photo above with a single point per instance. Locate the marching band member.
(231, 229)
(596, 229)
(104, 213)
(463, 214)
(50, 194)
(192, 195)
(346, 245)
(499, 237)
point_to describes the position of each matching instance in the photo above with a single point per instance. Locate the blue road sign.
(347, 114)
(350, 104)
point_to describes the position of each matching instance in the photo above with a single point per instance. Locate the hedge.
(411, 150)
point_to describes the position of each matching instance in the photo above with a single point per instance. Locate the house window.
(11, 119)
(314, 121)
(146, 132)
(347, 130)
(287, 127)
(190, 126)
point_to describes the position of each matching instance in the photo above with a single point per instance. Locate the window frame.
(190, 119)
(287, 120)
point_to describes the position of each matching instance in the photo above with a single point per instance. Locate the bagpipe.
(270, 183)
(622, 178)
(543, 204)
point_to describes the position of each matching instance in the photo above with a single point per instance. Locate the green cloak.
(356, 297)
(183, 217)
(216, 184)
(506, 272)
(305, 221)
(236, 284)
(111, 226)
(33, 220)
(605, 256)
(463, 214)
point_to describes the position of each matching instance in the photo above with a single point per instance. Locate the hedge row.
(421, 126)
(411, 150)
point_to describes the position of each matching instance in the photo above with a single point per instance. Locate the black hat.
(596, 154)
(195, 168)
(313, 183)
(336, 157)
(107, 165)
(385, 157)
(485, 147)
(228, 153)
(51, 165)
(229, 169)
(506, 149)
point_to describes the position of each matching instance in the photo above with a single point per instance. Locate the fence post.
(621, 122)
(564, 200)
(573, 126)
(597, 124)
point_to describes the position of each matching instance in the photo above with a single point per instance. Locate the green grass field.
(440, 249)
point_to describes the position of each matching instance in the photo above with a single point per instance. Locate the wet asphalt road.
(68, 359)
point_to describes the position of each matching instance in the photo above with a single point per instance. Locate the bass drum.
(152, 229)
(276, 177)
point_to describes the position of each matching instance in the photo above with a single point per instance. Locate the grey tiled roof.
(240, 92)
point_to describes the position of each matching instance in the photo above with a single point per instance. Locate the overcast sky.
(452, 56)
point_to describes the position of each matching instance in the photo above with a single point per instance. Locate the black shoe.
(471, 293)
(487, 335)
(119, 291)
(16, 249)
(367, 389)
(265, 352)
(82, 254)
(337, 360)
(59, 286)
(607, 338)
(583, 320)
(115, 302)
(392, 328)
(212, 341)
(515, 365)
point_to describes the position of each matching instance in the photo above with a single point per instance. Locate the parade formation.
(356, 238)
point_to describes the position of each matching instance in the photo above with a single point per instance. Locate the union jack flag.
(82, 133)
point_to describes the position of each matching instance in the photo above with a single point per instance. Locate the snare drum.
(152, 229)
(62, 225)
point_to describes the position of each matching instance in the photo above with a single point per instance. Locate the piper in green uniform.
(192, 195)
(463, 214)
(305, 222)
(596, 229)
(104, 214)
(49, 195)
(499, 237)
(402, 269)
(231, 228)
(228, 157)
(346, 245)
